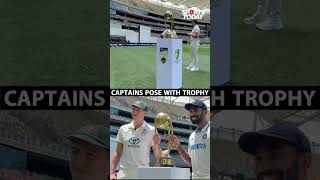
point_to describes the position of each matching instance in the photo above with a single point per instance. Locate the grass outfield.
(288, 57)
(53, 43)
(135, 67)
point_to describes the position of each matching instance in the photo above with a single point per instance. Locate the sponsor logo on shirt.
(134, 142)
(199, 146)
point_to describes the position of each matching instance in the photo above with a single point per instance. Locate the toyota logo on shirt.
(134, 140)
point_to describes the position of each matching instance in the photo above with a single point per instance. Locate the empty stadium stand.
(176, 112)
(40, 139)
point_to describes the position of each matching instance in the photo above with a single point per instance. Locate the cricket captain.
(89, 151)
(198, 154)
(170, 32)
(134, 142)
(194, 37)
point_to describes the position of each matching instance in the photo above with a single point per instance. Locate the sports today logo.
(193, 13)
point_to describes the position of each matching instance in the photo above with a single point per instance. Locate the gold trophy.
(163, 121)
(168, 17)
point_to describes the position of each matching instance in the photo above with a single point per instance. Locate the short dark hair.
(195, 21)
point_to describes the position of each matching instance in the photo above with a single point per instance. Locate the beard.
(290, 173)
(196, 119)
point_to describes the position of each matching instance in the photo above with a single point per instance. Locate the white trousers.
(194, 54)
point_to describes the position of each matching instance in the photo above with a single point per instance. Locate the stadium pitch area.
(135, 67)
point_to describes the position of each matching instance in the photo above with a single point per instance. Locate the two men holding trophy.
(136, 139)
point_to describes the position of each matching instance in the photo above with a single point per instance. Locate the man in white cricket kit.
(194, 37)
(267, 16)
(198, 155)
(169, 32)
(134, 143)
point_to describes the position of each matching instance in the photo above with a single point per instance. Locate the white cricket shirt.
(136, 148)
(195, 29)
(199, 151)
(168, 31)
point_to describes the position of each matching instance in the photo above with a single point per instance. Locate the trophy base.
(169, 35)
(166, 162)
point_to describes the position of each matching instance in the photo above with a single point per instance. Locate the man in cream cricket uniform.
(134, 142)
(194, 37)
(171, 32)
(198, 155)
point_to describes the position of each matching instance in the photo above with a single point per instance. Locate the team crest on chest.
(144, 131)
(204, 136)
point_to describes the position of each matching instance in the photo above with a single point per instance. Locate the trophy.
(163, 121)
(168, 17)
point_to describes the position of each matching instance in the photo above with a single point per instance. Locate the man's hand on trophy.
(156, 139)
(113, 176)
(174, 140)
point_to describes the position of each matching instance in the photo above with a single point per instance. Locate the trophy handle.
(170, 132)
(172, 23)
(158, 159)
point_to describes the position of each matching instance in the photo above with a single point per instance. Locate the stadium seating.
(176, 112)
(114, 101)
(44, 132)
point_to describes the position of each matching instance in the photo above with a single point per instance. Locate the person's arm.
(182, 152)
(117, 154)
(163, 33)
(115, 159)
(195, 33)
(156, 146)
